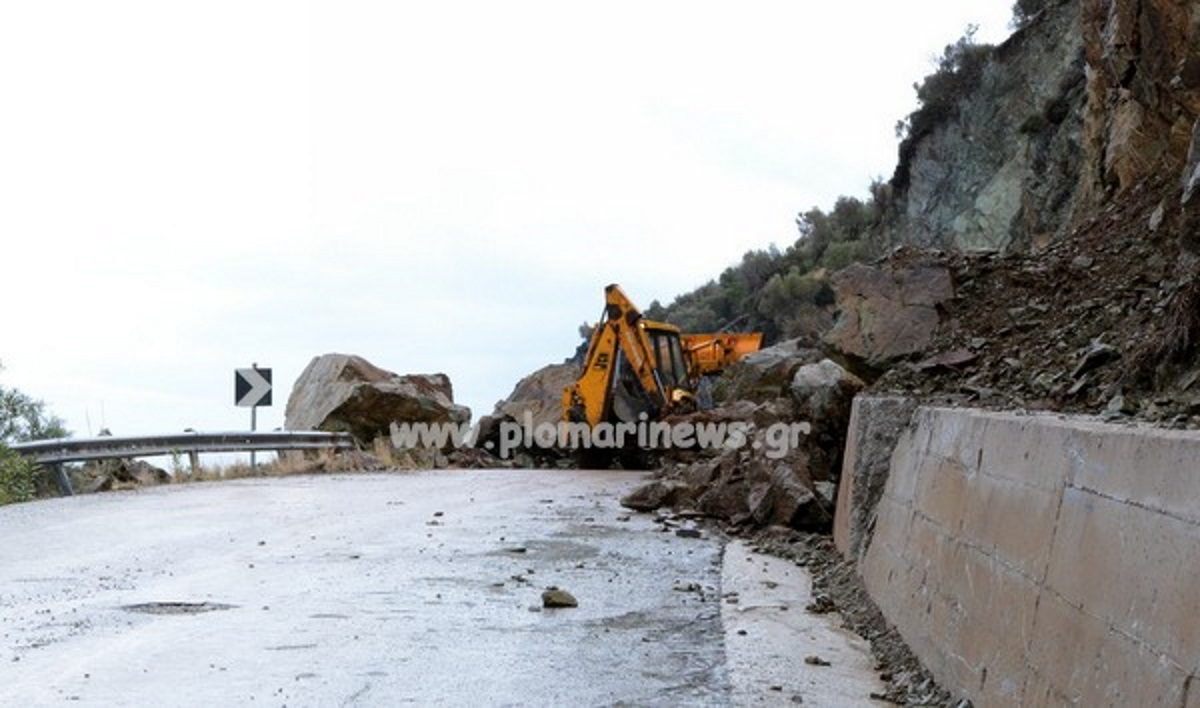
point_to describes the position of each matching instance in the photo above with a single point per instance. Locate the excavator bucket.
(711, 353)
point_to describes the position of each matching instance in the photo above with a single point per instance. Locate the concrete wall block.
(1012, 519)
(876, 423)
(971, 437)
(1159, 469)
(997, 597)
(897, 586)
(1082, 658)
(1043, 560)
(896, 572)
(896, 518)
(1039, 690)
(1133, 568)
(904, 470)
(845, 536)
(1192, 690)
(947, 599)
(944, 625)
(942, 489)
(994, 596)
(1029, 449)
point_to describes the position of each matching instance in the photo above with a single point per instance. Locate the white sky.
(186, 188)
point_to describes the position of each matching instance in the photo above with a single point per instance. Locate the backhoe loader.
(638, 369)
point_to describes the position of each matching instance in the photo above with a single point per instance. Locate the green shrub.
(18, 477)
(785, 294)
(842, 253)
(23, 418)
(958, 72)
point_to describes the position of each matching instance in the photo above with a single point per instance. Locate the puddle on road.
(291, 647)
(176, 608)
(547, 550)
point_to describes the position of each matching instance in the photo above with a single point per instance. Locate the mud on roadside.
(837, 587)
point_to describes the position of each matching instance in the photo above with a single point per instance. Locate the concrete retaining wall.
(1040, 560)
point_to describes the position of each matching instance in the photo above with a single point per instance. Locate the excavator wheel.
(594, 458)
(635, 458)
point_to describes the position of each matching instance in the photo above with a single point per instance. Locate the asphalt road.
(383, 589)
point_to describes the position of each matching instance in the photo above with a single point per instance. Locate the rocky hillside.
(998, 168)
(1070, 247)
(1083, 103)
(1011, 149)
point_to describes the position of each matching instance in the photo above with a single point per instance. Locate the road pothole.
(176, 608)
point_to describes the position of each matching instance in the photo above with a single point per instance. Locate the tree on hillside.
(22, 418)
(939, 94)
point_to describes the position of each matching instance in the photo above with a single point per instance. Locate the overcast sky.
(186, 188)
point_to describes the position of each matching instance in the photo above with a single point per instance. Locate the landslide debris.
(1090, 324)
(791, 408)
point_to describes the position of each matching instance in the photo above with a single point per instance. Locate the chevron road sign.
(252, 387)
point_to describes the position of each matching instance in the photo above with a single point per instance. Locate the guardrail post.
(64, 481)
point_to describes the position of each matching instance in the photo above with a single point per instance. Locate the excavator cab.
(672, 392)
(668, 355)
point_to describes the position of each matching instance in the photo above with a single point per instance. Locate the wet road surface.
(383, 589)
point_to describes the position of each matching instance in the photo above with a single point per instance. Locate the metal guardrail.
(53, 453)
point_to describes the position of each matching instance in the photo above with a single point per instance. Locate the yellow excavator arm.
(622, 374)
(637, 367)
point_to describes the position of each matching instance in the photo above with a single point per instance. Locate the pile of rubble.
(793, 407)
(1081, 326)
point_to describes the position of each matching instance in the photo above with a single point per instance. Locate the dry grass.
(293, 463)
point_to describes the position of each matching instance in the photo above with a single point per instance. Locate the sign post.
(251, 389)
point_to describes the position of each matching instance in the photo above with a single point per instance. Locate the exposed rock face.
(1088, 100)
(340, 392)
(1003, 171)
(886, 314)
(1143, 89)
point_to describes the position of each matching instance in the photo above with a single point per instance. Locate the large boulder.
(823, 394)
(764, 375)
(341, 392)
(784, 495)
(536, 398)
(886, 314)
(539, 395)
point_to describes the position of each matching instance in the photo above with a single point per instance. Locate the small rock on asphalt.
(557, 597)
